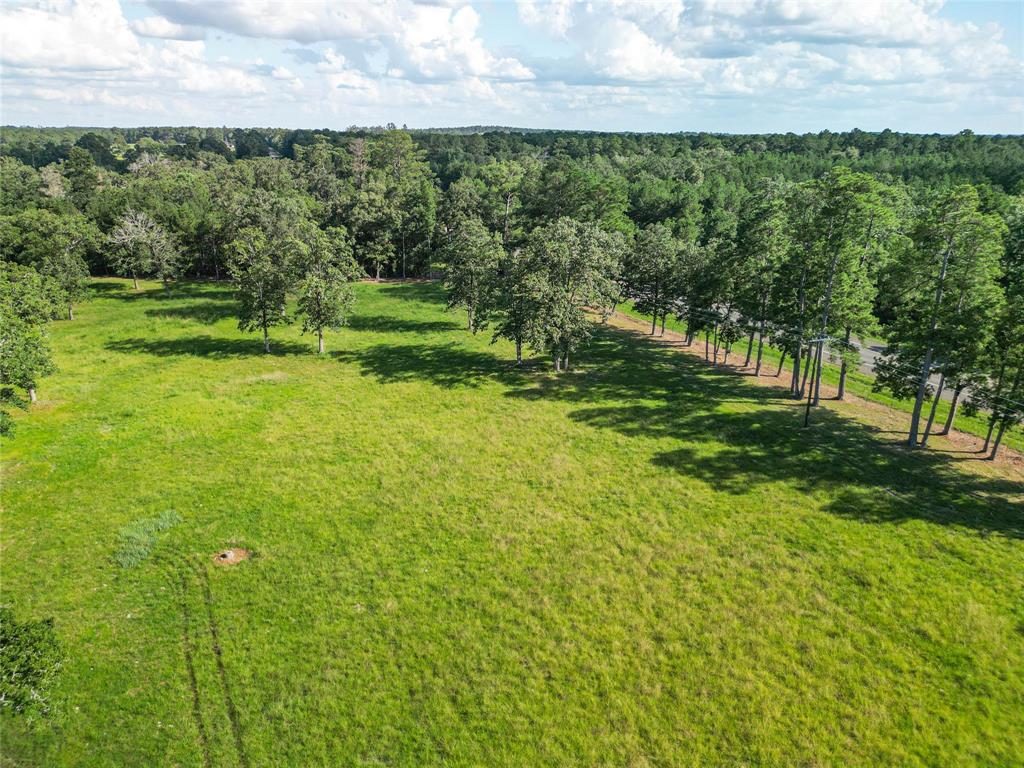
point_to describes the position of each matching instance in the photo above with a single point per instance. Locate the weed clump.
(135, 541)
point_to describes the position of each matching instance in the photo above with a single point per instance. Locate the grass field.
(858, 383)
(644, 562)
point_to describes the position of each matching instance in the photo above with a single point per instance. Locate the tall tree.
(262, 270)
(573, 266)
(472, 258)
(954, 268)
(326, 266)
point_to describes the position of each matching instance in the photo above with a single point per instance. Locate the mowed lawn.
(643, 562)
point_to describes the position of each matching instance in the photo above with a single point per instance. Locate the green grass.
(857, 383)
(643, 562)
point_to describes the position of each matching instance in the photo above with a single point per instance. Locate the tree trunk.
(926, 366)
(469, 319)
(135, 281)
(760, 350)
(999, 439)
(266, 340)
(71, 312)
(378, 272)
(519, 351)
(707, 349)
(952, 409)
(819, 356)
(663, 316)
(931, 413)
(807, 368)
(31, 394)
(654, 323)
(565, 361)
(557, 359)
(715, 348)
(842, 368)
(794, 384)
(782, 364)
(320, 341)
(988, 437)
(750, 348)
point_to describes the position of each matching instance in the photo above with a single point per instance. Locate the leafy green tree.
(515, 298)
(81, 176)
(573, 266)
(763, 242)
(472, 258)
(954, 268)
(326, 266)
(652, 271)
(262, 270)
(27, 303)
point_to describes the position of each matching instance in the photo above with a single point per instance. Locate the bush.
(30, 658)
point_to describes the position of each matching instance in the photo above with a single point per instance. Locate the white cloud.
(614, 63)
(85, 35)
(158, 26)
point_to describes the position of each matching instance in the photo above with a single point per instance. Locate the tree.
(652, 270)
(144, 247)
(261, 269)
(515, 300)
(27, 303)
(953, 267)
(472, 257)
(81, 175)
(55, 244)
(325, 293)
(573, 266)
(762, 244)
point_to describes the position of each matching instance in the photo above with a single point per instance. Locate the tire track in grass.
(229, 702)
(190, 578)
(188, 647)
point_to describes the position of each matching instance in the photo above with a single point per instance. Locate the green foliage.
(262, 270)
(28, 301)
(471, 259)
(136, 540)
(31, 658)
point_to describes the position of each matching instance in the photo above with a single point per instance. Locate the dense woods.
(804, 244)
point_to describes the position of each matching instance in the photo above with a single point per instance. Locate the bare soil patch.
(232, 556)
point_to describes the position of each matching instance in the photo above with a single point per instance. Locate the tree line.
(801, 244)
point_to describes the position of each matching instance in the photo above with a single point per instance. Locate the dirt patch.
(232, 556)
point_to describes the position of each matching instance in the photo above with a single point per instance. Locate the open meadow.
(454, 561)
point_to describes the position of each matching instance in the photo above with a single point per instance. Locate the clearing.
(449, 561)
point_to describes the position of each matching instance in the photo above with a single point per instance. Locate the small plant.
(136, 540)
(30, 659)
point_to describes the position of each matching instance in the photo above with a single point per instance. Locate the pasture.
(641, 562)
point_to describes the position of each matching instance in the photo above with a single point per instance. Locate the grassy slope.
(857, 383)
(643, 562)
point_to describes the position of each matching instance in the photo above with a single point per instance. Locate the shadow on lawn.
(207, 346)
(389, 324)
(660, 393)
(444, 365)
(427, 291)
(207, 311)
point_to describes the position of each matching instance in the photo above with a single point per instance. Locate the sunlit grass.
(641, 562)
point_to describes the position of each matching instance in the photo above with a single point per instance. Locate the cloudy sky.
(720, 65)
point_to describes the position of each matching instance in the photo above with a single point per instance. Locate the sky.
(734, 66)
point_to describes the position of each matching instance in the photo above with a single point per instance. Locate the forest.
(801, 246)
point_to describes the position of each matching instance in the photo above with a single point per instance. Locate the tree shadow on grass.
(427, 291)
(207, 346)
(206, 311)
(444, 365)
(641, 389)
(175, 291)
(388, 324)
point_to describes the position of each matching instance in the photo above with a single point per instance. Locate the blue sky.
(671, 65)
